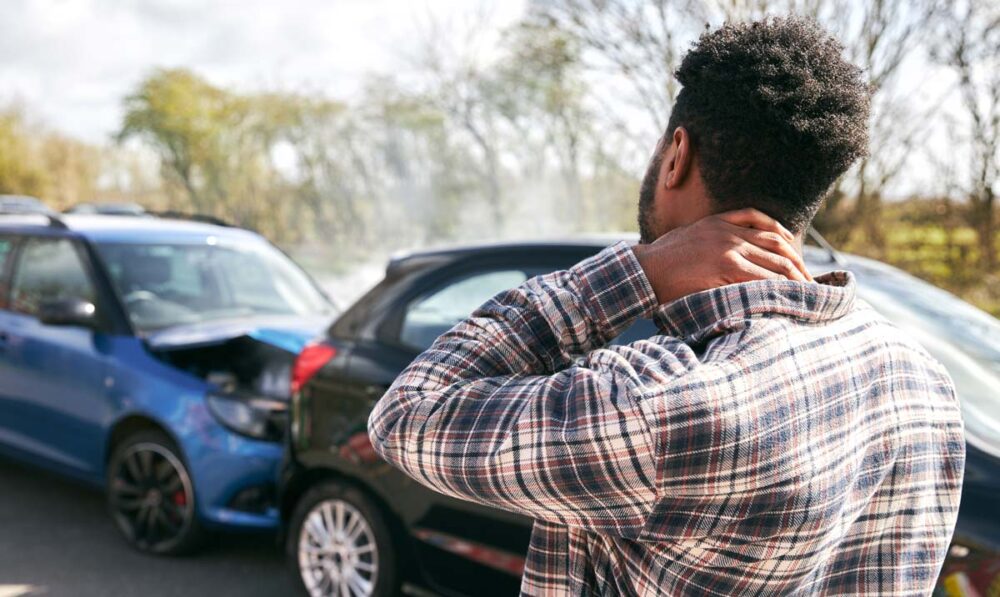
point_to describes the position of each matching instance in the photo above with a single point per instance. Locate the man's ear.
(678, 159)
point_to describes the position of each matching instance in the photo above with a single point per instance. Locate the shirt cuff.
(614, 289)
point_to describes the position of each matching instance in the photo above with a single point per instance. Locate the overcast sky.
(70, 62)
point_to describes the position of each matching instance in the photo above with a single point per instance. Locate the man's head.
(769, 116)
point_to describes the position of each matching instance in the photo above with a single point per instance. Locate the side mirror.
(71, 311)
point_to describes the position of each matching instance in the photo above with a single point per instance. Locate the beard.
(647, 192)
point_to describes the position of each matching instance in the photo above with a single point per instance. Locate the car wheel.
(150, 495)
(339, 544)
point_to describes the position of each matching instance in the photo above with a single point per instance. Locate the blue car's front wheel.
(150, 495)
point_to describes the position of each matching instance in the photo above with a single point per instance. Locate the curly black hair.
(775, 114)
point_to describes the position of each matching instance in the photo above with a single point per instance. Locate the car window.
(6, 244)
(48, 270)
(263, 285)
(164, 285)
(434, 314)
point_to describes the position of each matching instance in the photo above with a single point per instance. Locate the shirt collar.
(698, 317)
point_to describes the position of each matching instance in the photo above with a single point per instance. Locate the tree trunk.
(867, 221)
(985, 225)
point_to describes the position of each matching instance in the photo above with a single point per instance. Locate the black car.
(357, 526)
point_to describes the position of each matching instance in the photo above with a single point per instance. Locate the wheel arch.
(300, 484)
(133, 423)
(189, 536)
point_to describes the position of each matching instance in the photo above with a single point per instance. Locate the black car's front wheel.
(150, 495)
(340, 546)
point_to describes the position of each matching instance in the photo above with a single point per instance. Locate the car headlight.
(254, 417)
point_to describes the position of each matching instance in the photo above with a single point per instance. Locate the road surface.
(56, 540)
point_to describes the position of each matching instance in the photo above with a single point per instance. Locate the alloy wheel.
(151, 497)
(337, 552)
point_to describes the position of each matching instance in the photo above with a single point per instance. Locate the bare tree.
(634, 49)
(456, 80)
(971, 47)
(889, 32)
(539, 93)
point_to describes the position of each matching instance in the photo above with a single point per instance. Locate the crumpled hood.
(289, 333)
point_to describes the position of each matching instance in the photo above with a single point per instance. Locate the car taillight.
(309, 362)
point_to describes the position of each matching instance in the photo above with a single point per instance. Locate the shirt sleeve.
(519, 408)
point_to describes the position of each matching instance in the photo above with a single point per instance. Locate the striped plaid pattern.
(778, 438)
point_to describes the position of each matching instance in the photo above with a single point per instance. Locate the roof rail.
(180, 215)
(54, 221)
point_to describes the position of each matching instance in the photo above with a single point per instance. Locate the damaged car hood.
(289, 333)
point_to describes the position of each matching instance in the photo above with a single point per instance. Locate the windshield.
(164, 285)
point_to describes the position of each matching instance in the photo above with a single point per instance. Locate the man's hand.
(722, 249)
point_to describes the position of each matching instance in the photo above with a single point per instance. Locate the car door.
(445, 526)
(417, 318)
(8, 244)
(53, 376)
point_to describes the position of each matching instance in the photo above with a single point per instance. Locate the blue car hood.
(289, 333)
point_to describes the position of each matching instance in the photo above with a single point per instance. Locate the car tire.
(338, 537)
(150, 495)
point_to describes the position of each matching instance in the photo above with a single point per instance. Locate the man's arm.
(497, 412)
(483, 415)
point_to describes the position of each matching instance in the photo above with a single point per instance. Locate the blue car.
(152, 357)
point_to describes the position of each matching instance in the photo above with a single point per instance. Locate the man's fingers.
(771, 241)
(773, 262)
(752, 218)
(748, 271)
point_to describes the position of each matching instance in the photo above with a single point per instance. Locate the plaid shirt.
(778, 437)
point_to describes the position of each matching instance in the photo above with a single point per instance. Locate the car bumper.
(234, 479)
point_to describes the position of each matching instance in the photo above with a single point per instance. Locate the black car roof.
(409, 260)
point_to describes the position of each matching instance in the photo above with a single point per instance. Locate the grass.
(947, 257)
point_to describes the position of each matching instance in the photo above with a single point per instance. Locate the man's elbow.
(382, 421)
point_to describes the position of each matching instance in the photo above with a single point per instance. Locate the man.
(777, 437)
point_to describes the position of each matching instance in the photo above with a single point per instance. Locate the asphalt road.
(57, 540)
